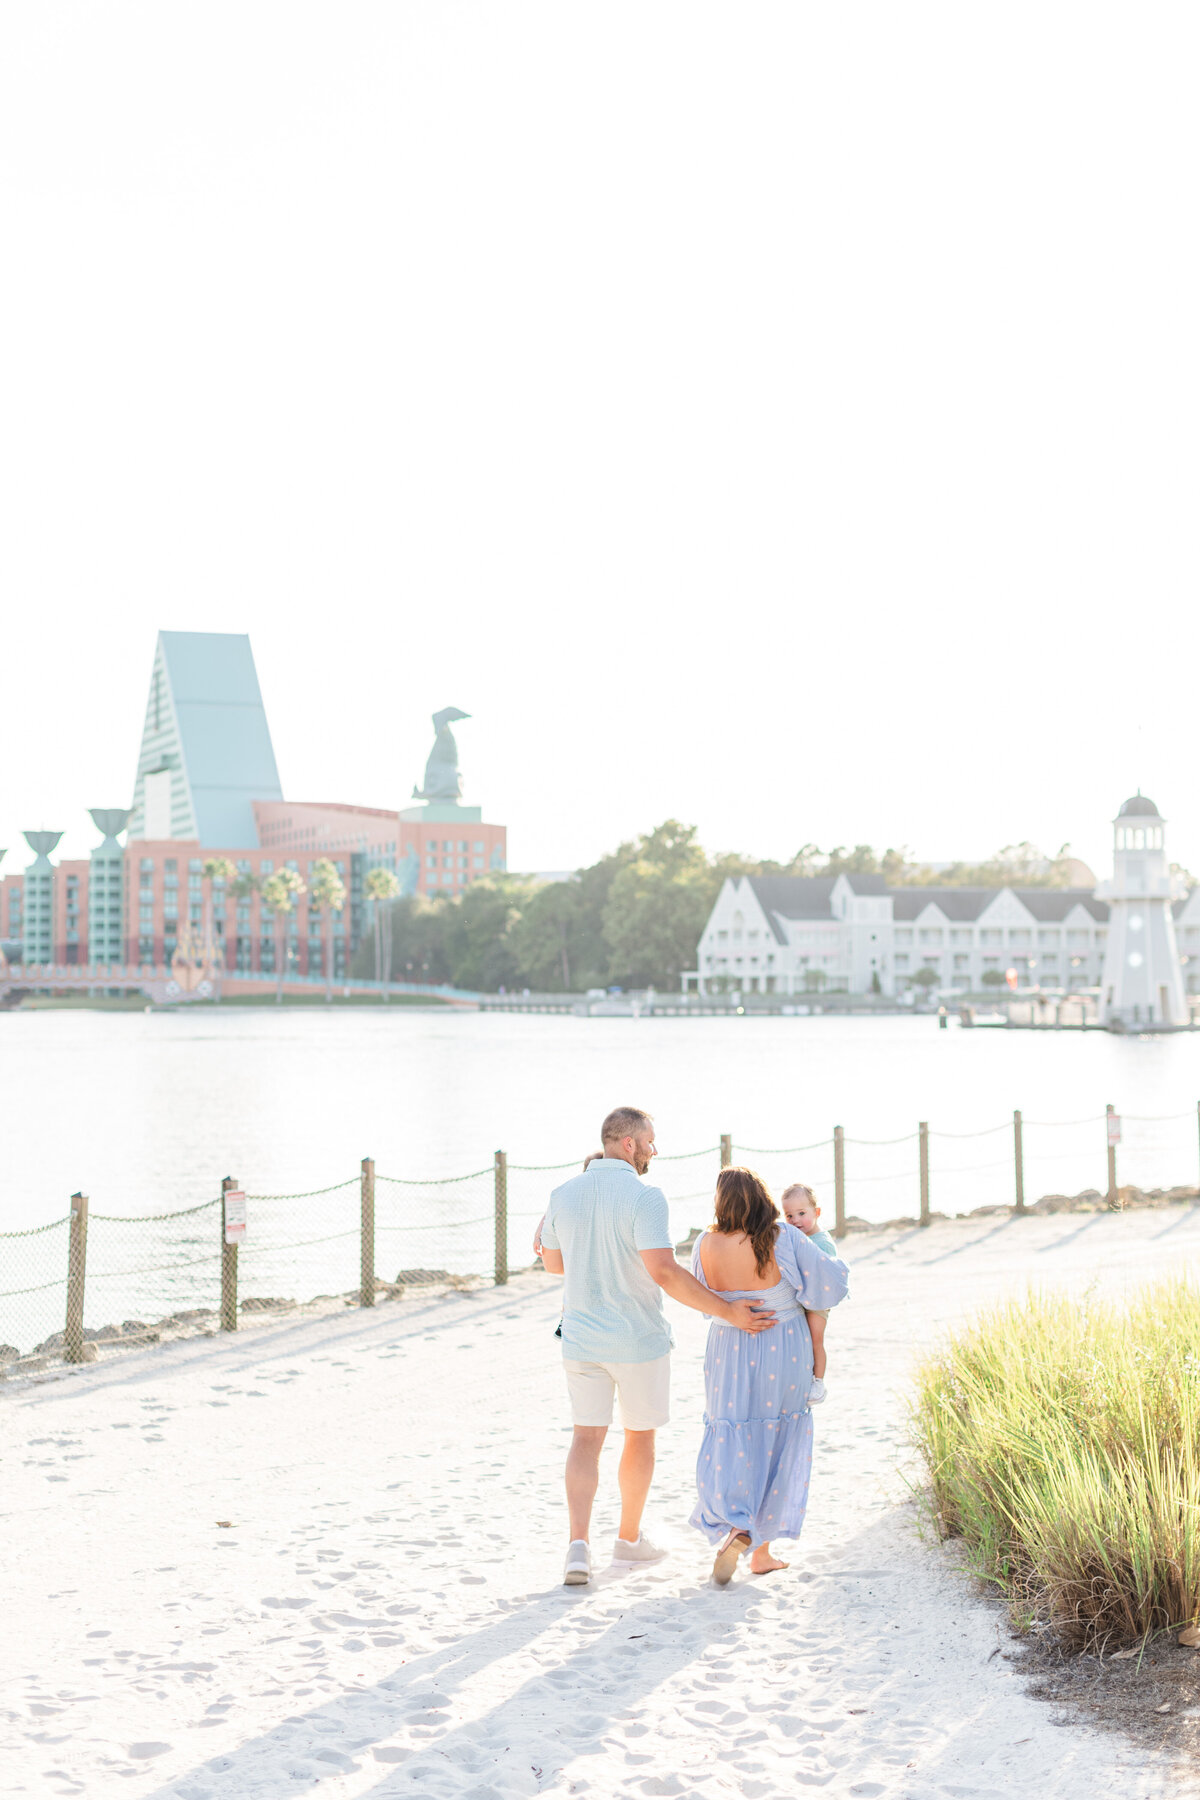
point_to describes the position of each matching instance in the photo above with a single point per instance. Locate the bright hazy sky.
(779, 416)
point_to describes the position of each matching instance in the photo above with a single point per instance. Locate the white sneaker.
(578, 1570)
(641, 1552)
(816, 1392)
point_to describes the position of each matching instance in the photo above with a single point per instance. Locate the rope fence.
(80, 1282)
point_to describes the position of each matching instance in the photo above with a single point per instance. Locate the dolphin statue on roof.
(442, 779)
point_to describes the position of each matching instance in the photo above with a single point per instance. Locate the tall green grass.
(1062, 1438)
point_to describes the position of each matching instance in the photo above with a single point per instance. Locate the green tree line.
(632, 920)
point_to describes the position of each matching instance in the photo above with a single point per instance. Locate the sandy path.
(385, 1618)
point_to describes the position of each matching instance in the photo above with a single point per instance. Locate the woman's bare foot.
(763, 1563)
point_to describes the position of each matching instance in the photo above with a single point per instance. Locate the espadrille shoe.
(735, 1546)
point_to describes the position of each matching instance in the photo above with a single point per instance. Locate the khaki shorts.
(643, 1389)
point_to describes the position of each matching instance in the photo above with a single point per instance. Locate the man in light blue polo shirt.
(607, 1231)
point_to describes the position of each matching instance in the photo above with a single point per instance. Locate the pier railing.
(91, 1280)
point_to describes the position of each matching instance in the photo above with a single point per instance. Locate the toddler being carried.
(801, 1210)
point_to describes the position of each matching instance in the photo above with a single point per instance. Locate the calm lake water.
(145, 1112)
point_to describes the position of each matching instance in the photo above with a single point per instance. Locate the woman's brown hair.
(743, 1204)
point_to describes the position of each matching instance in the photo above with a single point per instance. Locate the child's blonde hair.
(798, 1187)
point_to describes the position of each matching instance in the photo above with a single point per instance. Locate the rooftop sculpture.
(442, 779)
(111, 820)
(42, 843)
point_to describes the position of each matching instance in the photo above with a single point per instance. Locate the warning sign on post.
(235, 1216)
(1114, 1129)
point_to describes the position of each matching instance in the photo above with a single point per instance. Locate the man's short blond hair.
(623, 1122)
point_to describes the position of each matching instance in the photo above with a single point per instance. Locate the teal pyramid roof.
(206, 752)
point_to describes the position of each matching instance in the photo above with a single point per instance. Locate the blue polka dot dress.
(755, 1459)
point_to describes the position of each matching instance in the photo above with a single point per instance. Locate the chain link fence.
(79, 1283)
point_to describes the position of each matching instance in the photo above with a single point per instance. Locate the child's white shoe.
(816, 1392)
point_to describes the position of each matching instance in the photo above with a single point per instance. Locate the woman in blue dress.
(753, 1470)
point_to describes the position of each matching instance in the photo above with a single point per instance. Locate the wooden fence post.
(924, 1133)
(1109, 1129)
(229, 1253)
(839, 1182)
(726, 1149)
(367, 1261)
(76, 1271)
(1019, 1162)
(501, 1218)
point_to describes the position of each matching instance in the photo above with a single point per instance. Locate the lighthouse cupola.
(1139, 850)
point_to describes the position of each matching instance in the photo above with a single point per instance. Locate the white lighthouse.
(1142, 982)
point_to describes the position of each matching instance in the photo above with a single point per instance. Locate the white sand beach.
(382, 1614)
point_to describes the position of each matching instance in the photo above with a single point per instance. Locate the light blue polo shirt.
(601, 1220)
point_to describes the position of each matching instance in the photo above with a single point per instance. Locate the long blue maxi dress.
(756, 1455)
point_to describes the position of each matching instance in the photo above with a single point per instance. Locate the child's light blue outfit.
(756, 1455)
(824, 1242)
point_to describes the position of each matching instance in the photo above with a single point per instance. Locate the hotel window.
(196, 865)
(447, 844)
(462, 862)
(147, 863)
(930, 934)
(431, 862)
(266, 866)
(901, 961)
(431, 843)
(904, 934)
(477, 861)
(171, 866)
(989, 935)
(462, 843)
(479, 844)
(1020, 936)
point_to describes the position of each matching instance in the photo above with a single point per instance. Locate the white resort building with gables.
(794, 934)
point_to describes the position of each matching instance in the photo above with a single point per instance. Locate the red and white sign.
(1011, 976)
(1114, 1129)
(235, 1216)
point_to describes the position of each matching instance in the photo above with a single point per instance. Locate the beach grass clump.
(1062, 1439)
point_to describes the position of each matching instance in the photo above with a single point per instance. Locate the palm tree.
(217, 868)
(382, 886)
(280, 893)
(329, 894)
(241, 889)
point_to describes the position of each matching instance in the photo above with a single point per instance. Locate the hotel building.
(786, 934)
(206, 788)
